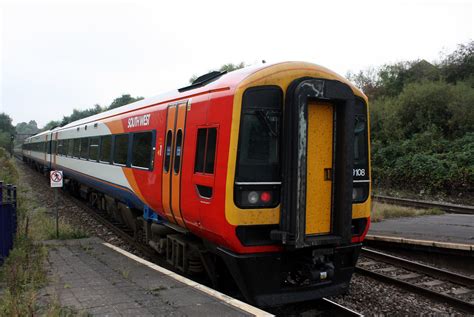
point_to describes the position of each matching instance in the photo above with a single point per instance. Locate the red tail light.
(266, 197)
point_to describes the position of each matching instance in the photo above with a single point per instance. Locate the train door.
(319, 168)
(174, 141)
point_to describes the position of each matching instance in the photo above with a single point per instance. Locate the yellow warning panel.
(319, 168)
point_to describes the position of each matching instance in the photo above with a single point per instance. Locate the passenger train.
(261, 174)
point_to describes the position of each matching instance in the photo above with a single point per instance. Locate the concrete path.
(446, 228)
(89, 276)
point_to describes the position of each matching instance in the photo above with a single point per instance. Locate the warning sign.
(56, 178)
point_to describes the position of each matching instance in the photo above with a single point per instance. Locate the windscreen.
(361, 154)
(258, 158)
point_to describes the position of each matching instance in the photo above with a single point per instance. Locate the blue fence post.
(15, 214)
(3, 227)
(8, 220)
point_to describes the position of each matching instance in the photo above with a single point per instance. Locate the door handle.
(328, 174)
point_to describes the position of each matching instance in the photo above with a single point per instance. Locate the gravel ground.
(365, 295)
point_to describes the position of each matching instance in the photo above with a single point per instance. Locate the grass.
(43, 227)
(386, 211)
(23, 275)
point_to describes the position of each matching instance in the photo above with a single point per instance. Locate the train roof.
(229, 80)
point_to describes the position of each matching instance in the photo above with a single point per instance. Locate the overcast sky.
(60, 55)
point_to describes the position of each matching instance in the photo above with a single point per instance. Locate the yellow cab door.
(319, 168)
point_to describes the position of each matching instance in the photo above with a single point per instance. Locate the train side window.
(200, 151)
(60, 147)
(178, 151)
(84, 148)
(121, 149)
(70, 148)
(53, 147)
(105, 148)
(94, 149)
(205, 151)
(169, 137)
(211, 150)
(77, 148)
(65, 147)
(142, 149)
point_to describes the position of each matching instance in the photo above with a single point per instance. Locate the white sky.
(60, 55)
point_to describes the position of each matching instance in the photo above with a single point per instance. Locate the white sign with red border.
(56, 178)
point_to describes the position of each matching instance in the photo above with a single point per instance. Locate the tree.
(123, 100)
(6, 123)
(6, 130)
(80, 114)
(51, 125)
(224, 68)
(366, 80)
(27, 128)
(459, 65)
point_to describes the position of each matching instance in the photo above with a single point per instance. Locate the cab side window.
(205, 150)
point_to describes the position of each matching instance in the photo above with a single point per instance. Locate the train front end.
(298, 183)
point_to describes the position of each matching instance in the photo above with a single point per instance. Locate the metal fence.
(8, 219)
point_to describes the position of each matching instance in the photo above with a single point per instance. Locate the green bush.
(427, 161)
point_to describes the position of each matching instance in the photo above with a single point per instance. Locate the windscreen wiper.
(263, 116)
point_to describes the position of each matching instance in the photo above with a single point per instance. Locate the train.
(258, 177)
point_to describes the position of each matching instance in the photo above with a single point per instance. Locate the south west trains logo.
(139, 121)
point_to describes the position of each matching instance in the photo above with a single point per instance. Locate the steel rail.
(421, 268)
(426, 269)
(339, 310)
(455, 302)
(447, 207)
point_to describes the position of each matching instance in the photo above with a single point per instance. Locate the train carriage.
(265, 170)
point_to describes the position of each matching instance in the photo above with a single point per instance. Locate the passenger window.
(60, 147)
(105, 148)
(169, 137)
(205, 151)
(77, 148)
(178, 151)
(142, 149)
(121, 149)
(65, 147)
(94, 149)
(84, 148)
(70, 147)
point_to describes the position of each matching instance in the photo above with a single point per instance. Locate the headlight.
(252, 198)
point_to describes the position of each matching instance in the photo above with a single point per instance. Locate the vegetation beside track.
(382, 211)
(23, 274)
(422, 125)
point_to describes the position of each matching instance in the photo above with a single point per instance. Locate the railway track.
(437, 284)
(447, 207)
